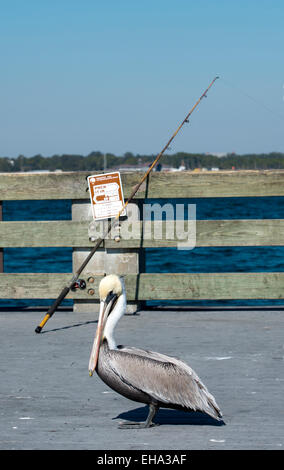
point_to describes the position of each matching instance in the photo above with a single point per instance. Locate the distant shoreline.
(181, 161)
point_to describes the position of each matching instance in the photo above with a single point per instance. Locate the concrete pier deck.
(48, 401)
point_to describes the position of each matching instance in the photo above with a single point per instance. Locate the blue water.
(215, 259)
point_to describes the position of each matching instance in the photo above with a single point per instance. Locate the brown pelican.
(143, 376)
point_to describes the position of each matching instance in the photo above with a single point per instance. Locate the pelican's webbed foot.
(130, 425)
(147, 424)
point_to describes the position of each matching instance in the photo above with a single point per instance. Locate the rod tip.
(38, 329)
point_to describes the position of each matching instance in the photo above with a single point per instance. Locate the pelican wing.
(166, 379)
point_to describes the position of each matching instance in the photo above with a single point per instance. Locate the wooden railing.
(126, 257)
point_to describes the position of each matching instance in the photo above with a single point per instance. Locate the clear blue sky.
(120, 75)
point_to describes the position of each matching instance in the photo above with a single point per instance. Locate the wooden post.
(105, 260)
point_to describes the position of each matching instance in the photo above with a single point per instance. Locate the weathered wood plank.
(258, 232)
(152, 286)
(66, 233)
(72, 185)
(53, 233)
(249, 232)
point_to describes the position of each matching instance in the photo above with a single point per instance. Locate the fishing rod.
(75, 282)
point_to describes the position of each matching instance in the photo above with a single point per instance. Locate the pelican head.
(111, 284)
(112, 307)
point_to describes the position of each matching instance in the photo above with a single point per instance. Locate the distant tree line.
(95, 161)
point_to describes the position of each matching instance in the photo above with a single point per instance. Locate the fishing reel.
(79, 284)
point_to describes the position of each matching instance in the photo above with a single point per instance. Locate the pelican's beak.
(105, 308)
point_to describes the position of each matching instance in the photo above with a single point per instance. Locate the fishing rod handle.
(52, 308)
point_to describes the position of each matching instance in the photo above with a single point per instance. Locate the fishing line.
(252, 98)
